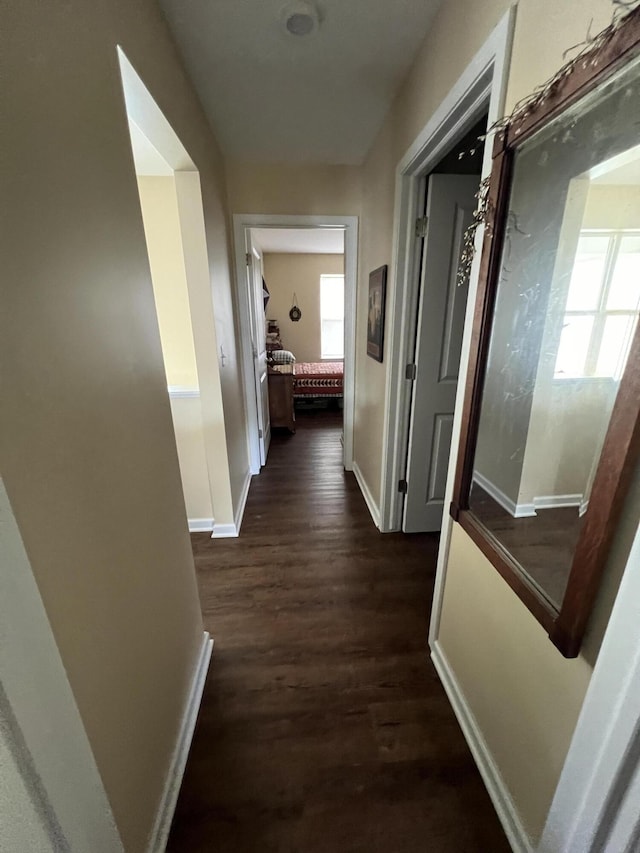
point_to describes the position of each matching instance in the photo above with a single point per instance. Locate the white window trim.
(323, 356)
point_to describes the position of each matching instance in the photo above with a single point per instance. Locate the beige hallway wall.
(87, 446)
(480, 630)
(293, 189)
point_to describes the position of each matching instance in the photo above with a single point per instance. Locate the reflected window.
(602, 306)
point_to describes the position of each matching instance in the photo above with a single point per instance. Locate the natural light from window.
(602, 306)
(332, 316)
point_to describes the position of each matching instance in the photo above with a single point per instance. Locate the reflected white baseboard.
(557, 501)
(514, 509)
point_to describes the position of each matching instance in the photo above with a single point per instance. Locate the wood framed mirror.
(551, 429)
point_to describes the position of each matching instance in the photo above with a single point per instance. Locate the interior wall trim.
(201, 525)
(242, 502)
(494, 783)
(167, 807)
(176, 392)
(366, 494)
(595, 805)
(224, 531)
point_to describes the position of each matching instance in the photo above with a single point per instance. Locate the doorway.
(480, 90)
(448, 199)
(279, 243)
(299, 295)
(168, 184)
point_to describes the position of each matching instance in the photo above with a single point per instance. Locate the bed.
(317, 379)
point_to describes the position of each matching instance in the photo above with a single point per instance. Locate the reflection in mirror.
(566, 308)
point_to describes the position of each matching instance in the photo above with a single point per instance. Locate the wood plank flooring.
(323, 727)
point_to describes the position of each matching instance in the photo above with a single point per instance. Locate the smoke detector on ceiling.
(301, 18)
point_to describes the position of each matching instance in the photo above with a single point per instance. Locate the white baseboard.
(200, 525)
(230, 531)
(514, 509)
(557, 501)
(366, 493)
(224, 531)
(242, 502)
(494, 783)
(167, 807)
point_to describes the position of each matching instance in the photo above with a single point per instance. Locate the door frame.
(253, 249)
(481, 88)
(595, 805)
(243, 222)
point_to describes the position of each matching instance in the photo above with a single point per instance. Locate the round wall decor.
(295, 312)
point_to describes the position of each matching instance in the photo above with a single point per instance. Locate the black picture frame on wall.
(375, 312)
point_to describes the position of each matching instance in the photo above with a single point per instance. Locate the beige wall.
(166, 260)
(286, 273)
(612, 207)
(87, 447)
(510, 715)
(524, 695)
(293, 189)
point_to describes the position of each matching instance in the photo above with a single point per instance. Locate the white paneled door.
(450, 204)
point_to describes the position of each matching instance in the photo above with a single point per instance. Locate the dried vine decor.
(482, 215)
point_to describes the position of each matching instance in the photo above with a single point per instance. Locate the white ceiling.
(321, 241)
(274, 97)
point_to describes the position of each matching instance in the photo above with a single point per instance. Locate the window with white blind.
(602, 305)
(332, 316)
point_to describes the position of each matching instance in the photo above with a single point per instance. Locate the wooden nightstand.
(281, 411)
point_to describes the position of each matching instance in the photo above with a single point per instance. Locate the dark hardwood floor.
(323, 726)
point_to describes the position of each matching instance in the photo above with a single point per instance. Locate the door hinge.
(260, 433)
(247, 258)
(402, 487)
(421, 226)
(410, 372)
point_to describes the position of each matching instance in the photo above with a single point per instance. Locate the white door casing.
(441, 311)
(481, 86)
(242, 222)
(258, 345)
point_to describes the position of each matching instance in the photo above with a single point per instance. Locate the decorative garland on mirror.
(481, 215)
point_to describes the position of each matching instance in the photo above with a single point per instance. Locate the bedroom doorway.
(296, 279)
(303, 288)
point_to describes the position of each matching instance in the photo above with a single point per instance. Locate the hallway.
(323, 726)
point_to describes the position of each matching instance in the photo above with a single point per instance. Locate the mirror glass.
(566, 309)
